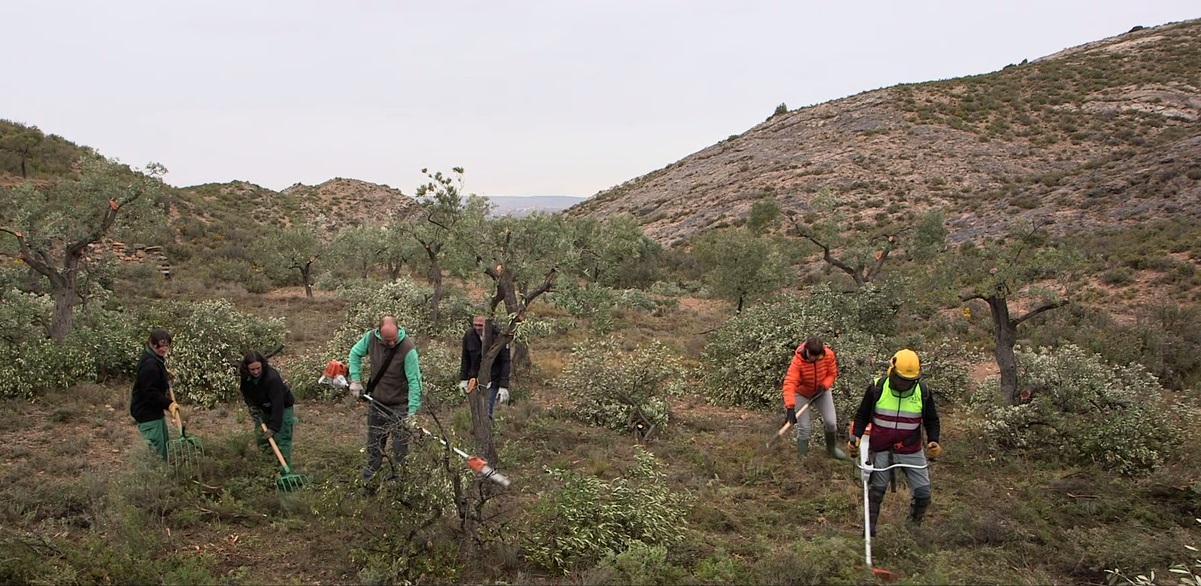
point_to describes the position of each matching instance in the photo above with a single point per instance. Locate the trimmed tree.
(53, 225)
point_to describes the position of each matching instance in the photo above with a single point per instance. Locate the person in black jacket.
(469, 368)
(270, 401)
(150, 396)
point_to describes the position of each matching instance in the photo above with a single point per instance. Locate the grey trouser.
(824, 404)
(918, 478)
(380, 425)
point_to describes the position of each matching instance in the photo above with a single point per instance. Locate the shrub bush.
(615, 385)
(748, 356)
(587, 519)
(1097, 413)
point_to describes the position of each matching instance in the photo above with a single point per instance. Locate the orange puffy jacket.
(806, 377)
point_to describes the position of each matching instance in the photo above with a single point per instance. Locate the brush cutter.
(866, 469)
(476, 463)
(186, 450)
(788, 424)
(287, 480)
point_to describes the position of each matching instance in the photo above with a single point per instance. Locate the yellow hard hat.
(906, 364)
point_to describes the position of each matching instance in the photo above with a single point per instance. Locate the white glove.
(502, 395)
(356, 389)
(462, 385)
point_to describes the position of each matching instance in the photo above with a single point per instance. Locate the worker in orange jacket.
(810, 378)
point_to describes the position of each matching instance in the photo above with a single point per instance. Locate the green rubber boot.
(802, 447)
(832, 447)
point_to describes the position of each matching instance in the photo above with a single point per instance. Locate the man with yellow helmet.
(898, 407)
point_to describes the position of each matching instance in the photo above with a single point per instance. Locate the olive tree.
(53, 226)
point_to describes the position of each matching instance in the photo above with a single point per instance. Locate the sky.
(539, 97)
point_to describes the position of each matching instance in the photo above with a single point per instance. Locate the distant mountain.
(520, 205)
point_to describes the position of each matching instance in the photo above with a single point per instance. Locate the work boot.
(832, 447)
(917, 510)
(802, 447)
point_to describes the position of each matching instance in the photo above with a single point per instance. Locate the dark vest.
(393, 385)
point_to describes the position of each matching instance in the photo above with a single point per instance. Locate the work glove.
(173, 409)
(853, 444)
(462, 385)
(933, 450)
(356, 389)
(790, 416)
(410, 422)
(256, 414)
(268, 434)
(502, 395)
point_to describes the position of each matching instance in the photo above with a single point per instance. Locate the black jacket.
(149, 397)
(469, 367)
(270, 395)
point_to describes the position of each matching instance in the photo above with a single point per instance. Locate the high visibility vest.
(897, 420)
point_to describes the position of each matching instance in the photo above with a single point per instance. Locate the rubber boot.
(832, 447)
(875, 497)
(802, 447)
(917, 510)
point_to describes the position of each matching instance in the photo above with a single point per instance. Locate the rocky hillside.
(1102, 134)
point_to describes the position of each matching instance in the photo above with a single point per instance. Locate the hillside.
(1101, 135)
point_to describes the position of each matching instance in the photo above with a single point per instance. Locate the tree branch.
(546, 285)
(1037, 310)
(27, 255)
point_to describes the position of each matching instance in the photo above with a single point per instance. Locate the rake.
(185, 451)
(287, 480)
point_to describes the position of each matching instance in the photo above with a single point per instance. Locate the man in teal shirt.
(395, 386)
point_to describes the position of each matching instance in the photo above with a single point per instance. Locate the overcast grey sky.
(559, 97)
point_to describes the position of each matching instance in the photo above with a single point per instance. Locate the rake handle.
(275, 448)
(175, 414)
(788, 424)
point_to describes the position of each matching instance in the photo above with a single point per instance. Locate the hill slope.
(1102, 134)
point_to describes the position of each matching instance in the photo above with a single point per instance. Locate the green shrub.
(614, 386)
(210, 337)
(41, 365)
(1094, 412)
(112, 338)
(639, 565)
(592, 302)
(587, 519)
(748, 356)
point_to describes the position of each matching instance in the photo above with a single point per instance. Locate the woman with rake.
(150, 395)
(270, 401)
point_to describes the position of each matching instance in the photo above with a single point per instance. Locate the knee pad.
(875, 495)
(921, 495)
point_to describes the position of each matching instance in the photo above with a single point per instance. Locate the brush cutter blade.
(884, 575)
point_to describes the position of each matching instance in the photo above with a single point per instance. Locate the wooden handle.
(175, 414)
(275, 449)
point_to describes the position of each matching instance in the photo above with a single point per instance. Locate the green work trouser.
(283, 437)
(155, 432)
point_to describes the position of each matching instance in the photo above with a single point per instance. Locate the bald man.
(395, 385)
